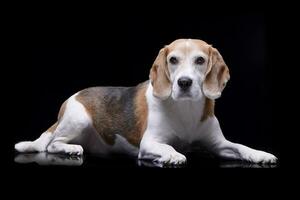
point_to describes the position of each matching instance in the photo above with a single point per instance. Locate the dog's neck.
(186, 110)
(185, 107)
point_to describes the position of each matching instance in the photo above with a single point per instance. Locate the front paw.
(173, 158)
(75, 150)
(263, 157)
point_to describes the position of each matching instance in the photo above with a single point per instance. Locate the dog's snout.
(185, 82)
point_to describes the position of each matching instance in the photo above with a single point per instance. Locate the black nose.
(184, 83)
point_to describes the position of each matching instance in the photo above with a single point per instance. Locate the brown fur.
(141, 114)
(180, 45)
(52, 128)
(208, 109)
(62, 111)
(113, 112)
(159, 75)
(217, 73)
(60, 115)
(93, 106)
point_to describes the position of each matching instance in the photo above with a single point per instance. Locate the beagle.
(155, 119)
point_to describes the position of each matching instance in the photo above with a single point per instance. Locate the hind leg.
(39, 145)
(73, 124)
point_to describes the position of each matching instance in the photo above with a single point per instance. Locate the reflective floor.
(193, 161)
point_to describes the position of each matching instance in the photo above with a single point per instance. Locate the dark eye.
(199, 60)
(173, 60)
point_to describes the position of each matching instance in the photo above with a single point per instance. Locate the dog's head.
(187, 69)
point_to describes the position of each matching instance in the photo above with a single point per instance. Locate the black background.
(54, 56)
(63, 56)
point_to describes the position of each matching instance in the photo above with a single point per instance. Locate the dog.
(153, 120)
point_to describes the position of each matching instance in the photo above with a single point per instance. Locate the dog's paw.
(74, 150)
(263, 157)
(24, 147)
(173, 158)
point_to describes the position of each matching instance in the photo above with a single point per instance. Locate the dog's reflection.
(49, 159)
(241, 164)
(67, 160)
(150, 164)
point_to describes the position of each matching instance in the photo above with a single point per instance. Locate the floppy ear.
(160, 76)
(216, 76)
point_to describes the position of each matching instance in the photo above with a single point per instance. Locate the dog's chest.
(183, 119)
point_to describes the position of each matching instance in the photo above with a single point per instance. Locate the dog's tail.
(39, 145)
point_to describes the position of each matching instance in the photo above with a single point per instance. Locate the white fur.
(39, 145)
(72, 124)
(170, 119)
(74, 133)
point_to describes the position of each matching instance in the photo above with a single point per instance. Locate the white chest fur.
(169, 118)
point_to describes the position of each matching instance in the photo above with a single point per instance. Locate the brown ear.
(216, 76)
(160, 77)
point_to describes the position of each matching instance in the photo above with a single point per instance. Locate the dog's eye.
(173, 60)
(199, 60)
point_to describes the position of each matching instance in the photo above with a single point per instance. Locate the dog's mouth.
(184, 96)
